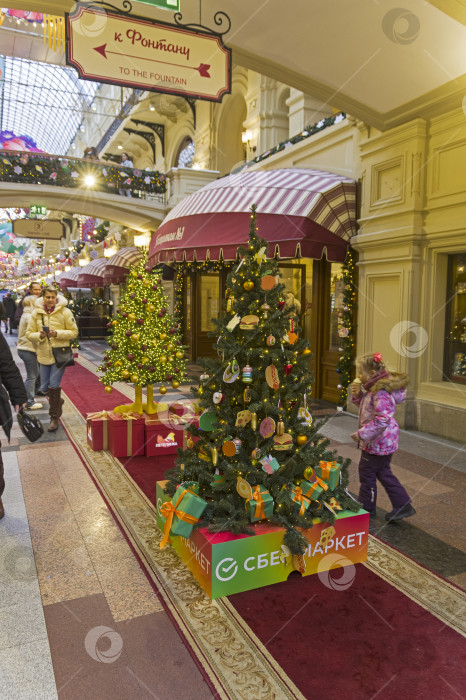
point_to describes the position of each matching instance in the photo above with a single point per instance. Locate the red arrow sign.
(203, 68)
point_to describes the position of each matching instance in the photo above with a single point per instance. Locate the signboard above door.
(122, 49)
(45, 229)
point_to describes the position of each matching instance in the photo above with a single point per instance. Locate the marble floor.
(78, 616)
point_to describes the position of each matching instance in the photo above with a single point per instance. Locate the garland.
(347, 331)
(39, 169)
(304, 134)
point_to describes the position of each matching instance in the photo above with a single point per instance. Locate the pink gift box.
(126, 434)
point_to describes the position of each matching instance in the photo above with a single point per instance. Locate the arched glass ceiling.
(44, 101)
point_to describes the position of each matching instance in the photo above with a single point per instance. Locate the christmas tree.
(258, 450)
(145, 345)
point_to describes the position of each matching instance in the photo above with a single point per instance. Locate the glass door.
(208, 306)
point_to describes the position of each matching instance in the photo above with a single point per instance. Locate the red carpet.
(358, 639)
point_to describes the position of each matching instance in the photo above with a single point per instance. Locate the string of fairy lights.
(345, 367)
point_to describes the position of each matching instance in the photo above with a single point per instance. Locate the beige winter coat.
(61, 320)
(23, 342)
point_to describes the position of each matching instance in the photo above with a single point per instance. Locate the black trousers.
(2, 480)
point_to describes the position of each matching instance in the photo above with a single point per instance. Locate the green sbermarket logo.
(226, 569)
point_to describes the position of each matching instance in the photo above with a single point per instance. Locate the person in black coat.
(12, 380)
(10, 308)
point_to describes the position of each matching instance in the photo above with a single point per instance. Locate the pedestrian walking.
(52, 328)
(377, 393)
(11, 390)
(27, 352)
(10, 308)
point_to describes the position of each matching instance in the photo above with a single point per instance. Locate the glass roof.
(44, 101)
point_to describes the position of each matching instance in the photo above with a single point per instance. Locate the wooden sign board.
(121, 49)
(45, 229)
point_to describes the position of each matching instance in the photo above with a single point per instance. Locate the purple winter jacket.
(378, 428)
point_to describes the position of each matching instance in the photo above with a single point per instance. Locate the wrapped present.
(260, 505)
(312, 489)
(181, 513)
(97, 430)
(191, 486)
(126, 434)
(330, 473)
(301, 502)
(160, 437)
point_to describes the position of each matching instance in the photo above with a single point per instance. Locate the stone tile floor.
(68, 578)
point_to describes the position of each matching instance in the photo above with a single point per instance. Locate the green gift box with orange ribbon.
(313, 489)
(300, 499)
(329, 472)
(260, 506)
(181, 513)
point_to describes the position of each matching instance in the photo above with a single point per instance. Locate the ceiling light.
(120, 147)
(89, 180)
(152, 108)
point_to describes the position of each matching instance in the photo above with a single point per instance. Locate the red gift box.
(161, 436)
(97, 430)
(126, 434)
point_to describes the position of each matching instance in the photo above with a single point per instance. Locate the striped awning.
(299, 212)
(70, 278)
(126, 257)
(92, 275)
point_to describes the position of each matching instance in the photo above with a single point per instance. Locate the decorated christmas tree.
(257, 453)
(145, 343)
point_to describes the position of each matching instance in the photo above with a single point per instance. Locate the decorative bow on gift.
(97, 414)
(300, 498)
(257, 496)
(169, 510)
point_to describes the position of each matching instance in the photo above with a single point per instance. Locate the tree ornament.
(267, 427)
(147, 283)
(163, 336)
(247, 374)
(140, 365)
(218, 397)
(114, 323)
(163, 359)
(151, 368)
(247, 395)
(248, 285)
(237, 443)
(162, 389)
(272, 378)
(133, 273)
(280, 427)
(270, 340)
(145, 360)
(130, 357)
(253, 421)
(301, 439)
(143, 301)
(307, 351)
(135, 337)
(265, 308)
(124, 314)
(132, 317)
(175, 384)
(128, 333)
(134, 378)
(151, 308)
(118, 363)
(170, 347)
(108, 389)
(281, 304)
(308, 473)
(125, 374)
(179, 355)
(287, 368)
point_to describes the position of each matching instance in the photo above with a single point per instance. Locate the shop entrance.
(203, 296)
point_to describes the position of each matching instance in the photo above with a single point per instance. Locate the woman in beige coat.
(27, 351)
(52, 325)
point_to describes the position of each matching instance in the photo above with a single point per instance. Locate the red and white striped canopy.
(298, 212)
(125, 257)
(70, 278)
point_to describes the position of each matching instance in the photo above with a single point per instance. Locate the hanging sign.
(47, 229)
(122, 49)
(163, 4)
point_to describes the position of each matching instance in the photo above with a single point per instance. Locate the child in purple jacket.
(378, 434)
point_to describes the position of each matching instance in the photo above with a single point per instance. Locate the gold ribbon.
(322, 483)
(168, 511)
(103, 415)
(129, 432)
(257, 496)
(299, 497)
(326, 468)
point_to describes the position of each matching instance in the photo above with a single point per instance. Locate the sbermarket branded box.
(224, 563)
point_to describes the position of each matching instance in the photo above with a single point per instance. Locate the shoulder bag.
(63, 355)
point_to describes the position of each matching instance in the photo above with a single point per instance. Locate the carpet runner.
(388, 628)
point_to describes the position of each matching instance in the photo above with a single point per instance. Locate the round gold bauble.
(163, 336)
(163, 389)
(108, 389)
(114, 322)
(134, 378)
(175, 384)
(134, 273)
(179, 355)
(145, 360)
(150, 308)
(118, 363)
(200, 391)
(125, 374)
(163, 359)
(132, 317)
(248, 285)
(308, 472)
(170, 347)
(154, 343)
(307, 351)
(135, 338)
(301, 439)
(147, 283)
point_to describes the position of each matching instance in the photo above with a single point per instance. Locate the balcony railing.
(79, 173)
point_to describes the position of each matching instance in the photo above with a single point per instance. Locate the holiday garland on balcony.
(38, 169)
(347, 331)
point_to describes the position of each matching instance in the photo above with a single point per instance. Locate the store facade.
(307, 217)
